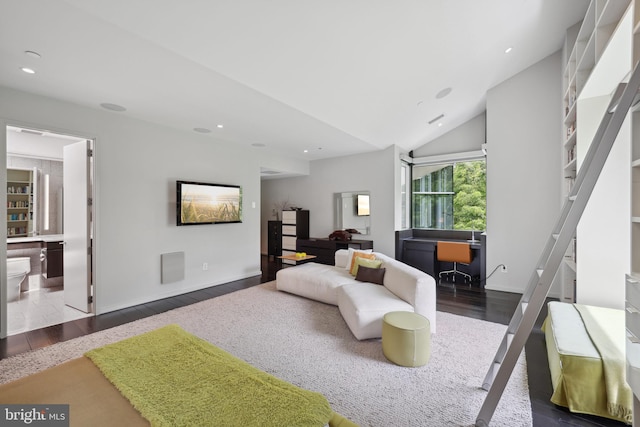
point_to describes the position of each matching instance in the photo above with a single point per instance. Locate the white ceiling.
(332, 77)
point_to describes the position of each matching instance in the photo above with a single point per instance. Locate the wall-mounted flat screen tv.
(204, 203)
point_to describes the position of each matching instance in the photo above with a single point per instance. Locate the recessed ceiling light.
(444, 92)
(202, 130)
(28, 70)
(440, 124)
(507, 50)
(220, 126)
(113, 107)
(32, 54)
(258, 144)
(305, 151)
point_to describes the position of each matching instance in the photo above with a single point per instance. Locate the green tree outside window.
(450, 196)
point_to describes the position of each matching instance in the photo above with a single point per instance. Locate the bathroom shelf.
(21, 192)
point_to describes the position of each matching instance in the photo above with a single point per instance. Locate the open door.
(77, 226)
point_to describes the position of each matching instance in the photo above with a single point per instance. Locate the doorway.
(49, 215)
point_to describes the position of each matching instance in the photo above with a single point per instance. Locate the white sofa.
(363, 304)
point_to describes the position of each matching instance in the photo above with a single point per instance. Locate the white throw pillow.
(350, 256)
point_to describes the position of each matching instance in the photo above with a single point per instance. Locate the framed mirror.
(353, 211)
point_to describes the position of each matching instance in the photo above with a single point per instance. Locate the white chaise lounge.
(363, 304)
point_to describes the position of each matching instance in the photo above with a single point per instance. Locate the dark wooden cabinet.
(274, 238)
(325, 249)
(421, 255)
(418, 248)
(53, 265)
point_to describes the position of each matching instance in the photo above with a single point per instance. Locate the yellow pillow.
(351, 252)
(363, 262)
(353, 269)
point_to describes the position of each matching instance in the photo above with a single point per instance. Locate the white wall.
(25, 144)
(467, 137)
(524, 131)
(603, 233)
(373, 172)
(136, 166)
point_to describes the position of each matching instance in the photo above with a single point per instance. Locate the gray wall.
(136, 166)
(374, 172)
(524, 134)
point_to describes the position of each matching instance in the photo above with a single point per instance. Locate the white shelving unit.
(632, 281)
(635, 174)
(632, 316)
(635, 185)
(21, 210)
(584, 46)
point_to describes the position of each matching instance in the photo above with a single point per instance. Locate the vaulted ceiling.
(329, 77)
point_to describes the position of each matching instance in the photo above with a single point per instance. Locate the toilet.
(17, 271)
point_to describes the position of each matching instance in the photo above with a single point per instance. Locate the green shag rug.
(175, 378)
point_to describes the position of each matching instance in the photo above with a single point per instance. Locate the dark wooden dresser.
(325, 249)
(274, 238)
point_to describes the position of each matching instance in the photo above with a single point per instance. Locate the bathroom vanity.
(33, 241)
(51, 259)
(46, 253)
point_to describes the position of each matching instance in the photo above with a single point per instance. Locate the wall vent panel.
(172, 267)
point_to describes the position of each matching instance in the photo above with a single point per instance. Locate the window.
(405, 194)
(450, 196)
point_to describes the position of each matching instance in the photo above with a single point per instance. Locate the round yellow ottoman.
(406, 338)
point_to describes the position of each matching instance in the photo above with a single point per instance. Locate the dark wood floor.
(493, 306)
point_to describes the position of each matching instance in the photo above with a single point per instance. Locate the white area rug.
(308, 344)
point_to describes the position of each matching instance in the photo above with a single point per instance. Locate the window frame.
(447, 159)
(405, 193)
